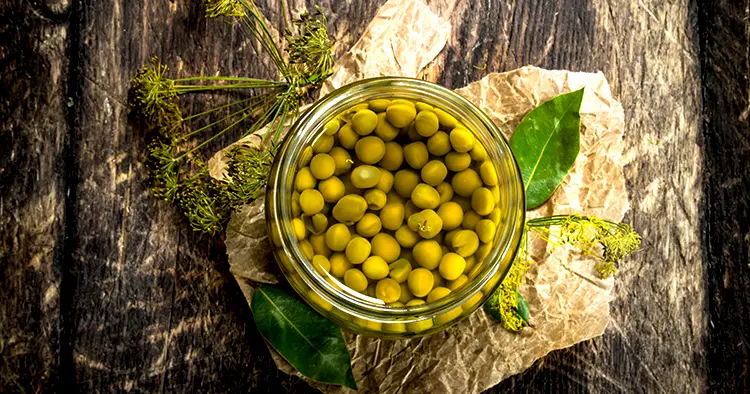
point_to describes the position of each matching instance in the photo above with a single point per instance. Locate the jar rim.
(309, 126)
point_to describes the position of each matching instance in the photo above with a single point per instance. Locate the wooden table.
(106, 289)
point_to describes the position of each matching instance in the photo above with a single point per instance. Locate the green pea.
(385, 184)
(462, 140)
(349, 187)
(483, 251)
(342, 160)
(305, 157)
(307, 249)
(496, 216)
(448, 237)
(296, 209)
(400, 115)
(350, 209)
(495, 193)
(323, 144)
(423, 106)
(365, 176)
(452, 266)
(348, 137)
(403, 101)
(375, 199)
(406, 294)
(355, 279)
(485, 230)
(451, 214)
(358, 250)
(410, 209)
(339, 264)
(364, 121)
(304, 179)
(482, 201)
(369, 225)
(420, 283)
(466, 182)
(446, 120)
(318, 242)
(437, 293)
(385, 246)
(400, 270)
(411, 132)
(406, 237)
(311, 201)
(470, 220)
(332, 189)
(426, 223)
(379, 105)
(488, 173)
(370, 149)
(464, 202)
(299, 229)
(392, 216)
(388, 290)
(332, 127)
(456, 284)
(393, 157)
(427, 254)
(358, 108)
(457, 161)
(465, 243)
(322, 166)
(425, 196)
(394, 198)
(478, 153)
(337, 237)
(321, 264)
(434, 172)
(384, 129)
(416, 155)
(375, 267)
(404, 182)
(439, 144)
(446, 192)
(426, 123)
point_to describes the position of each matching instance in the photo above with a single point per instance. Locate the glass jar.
(355, 311)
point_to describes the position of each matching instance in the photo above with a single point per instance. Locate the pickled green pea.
(404, 182)
(379, 105)
(485, 230)
(385, 183)
(482, 201)
(394, 198)
(388, 290)
(471, 261)
(416, 155)
(406, 237)
(365, 176)
(464, 243)
(369, 225)
(304, 179)
(305, 157)
(400, 115)
(437, 293)
(298, 228)
(358, 107)
(446, 192)
(296, 209)
(355, 279)
(411, 132)
(451, 214)
(419, 326)
(410, 209)
(332, 127)
(321, 264)
(348, 137)
(375, 199)
(422, 106)
(337, 237)
(375, 268)
(465, 182)
(364, 121)
(392, 216)
(426, 223)
(448, 236)
(446, 120)
(385, 246)
(425, 196)
(358, 250)
(393, 157)
(307, 249)
(341, 159)
(495, 193)
(319, 245)
(319, 223)
(339, 264)
(420, 282)
(437, 280)
(384, 129)
(323, 144)
(461, 140)
(434, 172)
(482, 251)
(403, 101)
(488, 173)
(370, 149)
(452, 266)
(470, 220)
(496, 216)
(349, 187)
(456, 284)
(427, 254)
(439, 144)
(322, 166)
(478, 153)
(350, 209)
(400, 270)
(439, 239)
(332, 189)
(426, 123)
(457, 161)
(464, 202)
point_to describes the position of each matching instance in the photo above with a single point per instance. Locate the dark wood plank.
(725, 50)
(33, 134)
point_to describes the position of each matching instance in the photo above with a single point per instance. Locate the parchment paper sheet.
(568, 302)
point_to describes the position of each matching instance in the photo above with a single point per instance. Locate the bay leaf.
(307, 340)
(546, 144)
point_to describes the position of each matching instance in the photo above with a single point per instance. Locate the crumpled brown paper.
(568, 302)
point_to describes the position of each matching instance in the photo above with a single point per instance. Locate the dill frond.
(151, 95)
(228, 8)
(248, 170)
(503, 305)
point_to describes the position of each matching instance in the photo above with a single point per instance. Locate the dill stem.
(221, 78)
(217, 109)
(194, 132)
(182, 89)
(213, 137)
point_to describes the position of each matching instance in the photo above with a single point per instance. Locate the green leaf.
(310, 342)
(523, 308)
(546, 143)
